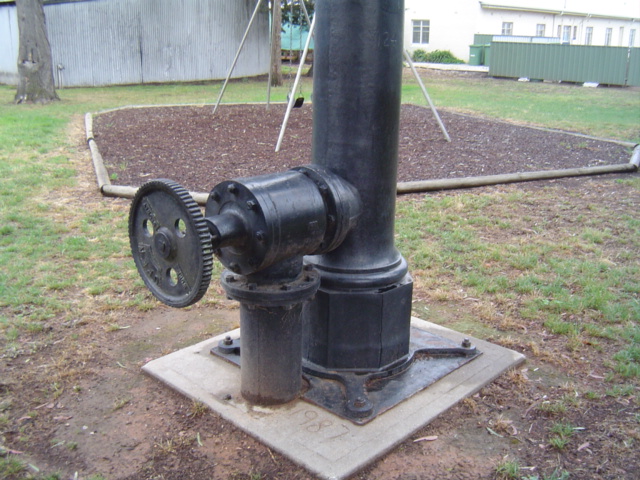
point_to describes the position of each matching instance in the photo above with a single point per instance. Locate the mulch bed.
(198, 149)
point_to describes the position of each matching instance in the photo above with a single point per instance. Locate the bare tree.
(35, 67)
(276, 43)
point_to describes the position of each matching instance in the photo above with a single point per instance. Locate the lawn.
(551, 271)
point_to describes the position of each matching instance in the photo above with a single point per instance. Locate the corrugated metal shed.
(8, 45)
(111, 42)
(568, 63)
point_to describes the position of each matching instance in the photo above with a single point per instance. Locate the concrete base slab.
(323, 443)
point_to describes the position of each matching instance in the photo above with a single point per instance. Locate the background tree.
(35, 69)
(293, 14)
(276, 43)
(286, 12)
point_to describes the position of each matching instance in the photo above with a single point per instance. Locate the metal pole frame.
(270, 56)
(426, 95)
(306, 14)
(295, 84)
(235, 60)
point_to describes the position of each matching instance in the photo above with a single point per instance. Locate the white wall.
(453, 24)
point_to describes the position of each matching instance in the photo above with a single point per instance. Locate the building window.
(607, 36)
(632, 37)
(575, 33)
(588, 36)
(566, 34)
(540, 28)
(621, 37)
(507, 28)
(421, 31)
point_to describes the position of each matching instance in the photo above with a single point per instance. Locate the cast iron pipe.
(360, 318)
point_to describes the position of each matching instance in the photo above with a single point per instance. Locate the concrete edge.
(214, 382)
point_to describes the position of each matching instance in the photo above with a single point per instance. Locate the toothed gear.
(170, 243)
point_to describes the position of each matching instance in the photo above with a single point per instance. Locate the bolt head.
(359, 402)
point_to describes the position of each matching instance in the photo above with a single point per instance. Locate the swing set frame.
(242, 42)
(292, 101)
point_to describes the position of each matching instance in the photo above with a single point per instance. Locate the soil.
(199, 149)
(112, 420)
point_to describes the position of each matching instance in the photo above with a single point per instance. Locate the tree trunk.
(35, 67)
(276, 44)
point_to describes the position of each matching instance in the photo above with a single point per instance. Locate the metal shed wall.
(8, 37)
(569, 63)
(112, 42)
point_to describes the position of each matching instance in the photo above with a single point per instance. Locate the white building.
(431, 25)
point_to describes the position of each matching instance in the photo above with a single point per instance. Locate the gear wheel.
(170, 243)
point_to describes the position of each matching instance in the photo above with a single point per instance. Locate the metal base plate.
(432, 357)
(325, 444)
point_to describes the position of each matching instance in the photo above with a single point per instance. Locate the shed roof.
(618, 9)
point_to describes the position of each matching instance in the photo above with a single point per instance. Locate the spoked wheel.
(170, 243)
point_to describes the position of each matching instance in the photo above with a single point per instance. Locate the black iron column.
(359, 320)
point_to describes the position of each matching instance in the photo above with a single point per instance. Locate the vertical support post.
(360, 318)
(271, 360)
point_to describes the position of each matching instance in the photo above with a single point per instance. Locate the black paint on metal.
(261, 227)
(170, 243)
(270, 364)
(259, 221)
(362, 397)
(310, 252)
(360, 318)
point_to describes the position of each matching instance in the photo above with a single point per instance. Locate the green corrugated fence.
(568, 63)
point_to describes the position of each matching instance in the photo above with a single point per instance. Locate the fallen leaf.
(61, 418)
(430, 438)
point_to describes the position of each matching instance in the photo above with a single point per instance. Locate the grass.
(565, 107)
(562, 279)
(557, 474)
(508, 469)
(64, 254)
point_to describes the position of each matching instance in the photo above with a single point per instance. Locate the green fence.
(568, 63)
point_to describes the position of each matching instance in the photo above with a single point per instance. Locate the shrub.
(437, 56)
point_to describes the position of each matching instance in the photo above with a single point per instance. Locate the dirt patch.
(107, 418)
